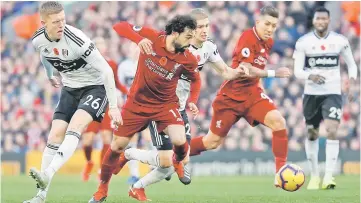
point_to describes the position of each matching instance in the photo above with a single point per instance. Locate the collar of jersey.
(315, 33)
(47, 37)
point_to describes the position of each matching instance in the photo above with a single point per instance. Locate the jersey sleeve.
(244, 50)
(214, 55)
(135, 33)
(346, 52)
(299, 60)
(192, 73)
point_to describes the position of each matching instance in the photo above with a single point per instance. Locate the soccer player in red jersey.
(104, 127)
(244, 97)
(152, 96)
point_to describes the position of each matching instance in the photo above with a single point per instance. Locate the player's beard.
(178, 48)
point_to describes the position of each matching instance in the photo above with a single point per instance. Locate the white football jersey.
(72, 55)
(207, 53)
(322, 56)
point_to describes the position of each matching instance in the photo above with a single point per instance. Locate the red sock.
(109, 162)
(181, 151)
(104, 150)
(280, 147)
(197, 146)
(88, 152)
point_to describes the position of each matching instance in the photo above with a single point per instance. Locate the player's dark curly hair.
(179, 23)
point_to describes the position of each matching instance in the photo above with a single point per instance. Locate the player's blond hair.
(50, 7)
(198, 14)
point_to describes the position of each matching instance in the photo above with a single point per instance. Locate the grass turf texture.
(240, 189)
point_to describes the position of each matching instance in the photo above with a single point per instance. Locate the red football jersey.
(157, 74)
(250, 49)
(114, 67)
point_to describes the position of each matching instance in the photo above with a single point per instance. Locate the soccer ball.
(290, 177)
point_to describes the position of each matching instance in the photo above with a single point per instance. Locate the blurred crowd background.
(28, 99)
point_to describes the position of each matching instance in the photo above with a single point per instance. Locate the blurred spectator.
(28, 100)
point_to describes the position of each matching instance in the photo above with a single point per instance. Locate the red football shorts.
(227, 111)
(95, 127)
(136, 118)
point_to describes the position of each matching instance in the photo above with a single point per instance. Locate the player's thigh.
(87, 138)
(132, 124)
(146, 135)
(57, 131)
(80, 121)
(332, 107)
(165, 158)
(262, 110)
(94, 101)
(312, 112)
(224, 115)
(160, 140)
(171, 122)
(67, 105)
(332, 114)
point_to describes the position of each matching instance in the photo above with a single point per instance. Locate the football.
(290, 177)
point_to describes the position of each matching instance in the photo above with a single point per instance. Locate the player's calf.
(277, 123)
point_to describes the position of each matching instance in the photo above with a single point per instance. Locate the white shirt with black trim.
(316, 55)
(207, 53)
(74, 56)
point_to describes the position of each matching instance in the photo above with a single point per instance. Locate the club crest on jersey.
(137, 28)
(56, 52)
(246, 52)
(65, 52)
(163, 61)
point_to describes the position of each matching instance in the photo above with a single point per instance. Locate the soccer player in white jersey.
(88, 84)
(206, 52)
(317, 61)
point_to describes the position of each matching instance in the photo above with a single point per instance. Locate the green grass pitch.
(240, 189)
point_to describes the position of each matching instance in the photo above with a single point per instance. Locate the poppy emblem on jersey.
(163, 61)
(56, 52)
(65, 52)
(198, 58)
(323, 47)
(246, 52)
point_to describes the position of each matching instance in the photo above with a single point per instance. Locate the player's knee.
(165, 159)
(212, 142)
(312, 133)
(106, 137)
(277, 123)
(87, 139)
(331, 132)
(178, 139)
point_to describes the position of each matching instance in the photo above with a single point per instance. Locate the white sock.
(65, 151)
(154, 176)
(48, 155)
(312, 148)
(332, 149)
(133, 164)
(144, 156)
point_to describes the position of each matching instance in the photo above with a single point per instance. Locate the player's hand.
(116, 117)
(318, 79)
(55, 81)
(145, 46)
(349, 85)
(283, 72)
(193, 108)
